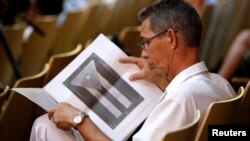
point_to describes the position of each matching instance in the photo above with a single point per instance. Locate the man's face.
(157, 49)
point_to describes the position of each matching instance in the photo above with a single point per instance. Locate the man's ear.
(172, 37)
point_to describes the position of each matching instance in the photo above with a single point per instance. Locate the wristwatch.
(78, 118)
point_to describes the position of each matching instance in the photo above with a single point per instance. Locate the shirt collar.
(185, 74)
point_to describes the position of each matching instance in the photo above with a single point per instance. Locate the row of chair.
(79, 26)
(12, 113)
(220, 112)
(17, 112)
(3, 98)
(222, 22)
(228, 112)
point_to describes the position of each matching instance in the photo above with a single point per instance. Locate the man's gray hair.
(175, 14)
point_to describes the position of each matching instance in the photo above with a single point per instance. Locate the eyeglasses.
(144, 44)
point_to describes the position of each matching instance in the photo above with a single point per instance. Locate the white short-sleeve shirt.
(192, 89)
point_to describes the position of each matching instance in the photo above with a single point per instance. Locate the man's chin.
(151, 64)
(157, 67)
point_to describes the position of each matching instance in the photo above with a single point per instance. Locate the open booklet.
(98, 84)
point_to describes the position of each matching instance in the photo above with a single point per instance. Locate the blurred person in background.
(200, 5)
(41, 8)
(45, 7)
(13, 9)
(237, 60)
(71, 5)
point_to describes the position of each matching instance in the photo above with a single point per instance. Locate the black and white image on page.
(97, 85)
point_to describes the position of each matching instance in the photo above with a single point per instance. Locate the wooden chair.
(89, 28)
(36, 49)
(132, 14)
(226, 22)
(212, 17)
(1, 87)
(17, 118)
(208, 24)
(130, 36)
(59, 61)
(120, 10)
(245, 104)
(14, 35)
(236, 82)
(3, 98)
(219, 112)
(242, 114)
(186, 133)
(104, 20)
(125, 9)
(67, 32)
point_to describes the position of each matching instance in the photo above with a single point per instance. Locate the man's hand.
(147, 72)
(62, 115)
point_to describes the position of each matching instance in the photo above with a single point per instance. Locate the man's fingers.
(132, 60)
(136, 76)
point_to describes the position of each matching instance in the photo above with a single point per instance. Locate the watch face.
(77, 119)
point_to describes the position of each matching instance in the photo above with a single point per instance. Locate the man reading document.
(170, 33)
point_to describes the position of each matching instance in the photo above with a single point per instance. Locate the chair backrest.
(130, 36)
(3, 98)
(89, 28)
(104, 20)
(208, 24)
(246, 103)
(219, 112)
(1, 87)
(59, 61)
(237, 82)
(120, 10)
(243, 110)
(226, 22)
(186, 133)
(67, 32)
(17, 118)
(125, 9)
(13, 35)
(36, 49)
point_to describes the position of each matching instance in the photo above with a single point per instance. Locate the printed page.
(38, 96)
(98, 84)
